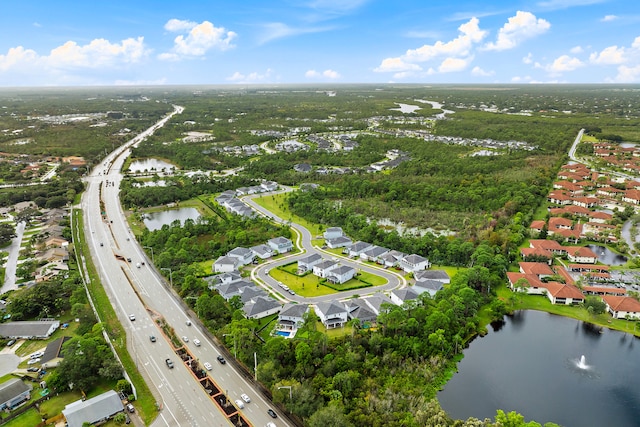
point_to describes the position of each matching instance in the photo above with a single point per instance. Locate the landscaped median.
(146, 403)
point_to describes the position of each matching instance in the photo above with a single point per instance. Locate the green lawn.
(28, 419)
(276, 203)
(306, 286)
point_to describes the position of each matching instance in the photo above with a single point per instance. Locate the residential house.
(622, 307)
(332, 314)
(29, 329)
(332, 233)
(341, 274)
(374, 253)
(400, 296)
(377, 301)
(225, 264)
(412, 263)
(223, 278)
(322, 269)
(262, 251)
(359, 309)
(244, 255)
(260, 307)
(391, 259)
(14, 392)
(439, 275)
(280, 245)
(53, 353)
(429, 286)
(269, 185)
(302, 167)
(339, 242)
(291, 316)
(306, 264)
(581, 255)
(358, 248)
(97, 409)
(563, 293)
(231, 290)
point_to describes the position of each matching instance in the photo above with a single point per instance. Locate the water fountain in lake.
(582, 364)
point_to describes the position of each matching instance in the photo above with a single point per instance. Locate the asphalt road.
(141, 291)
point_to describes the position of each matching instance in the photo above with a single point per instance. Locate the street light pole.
(152, 258)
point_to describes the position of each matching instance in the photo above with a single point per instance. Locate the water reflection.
(150, 165)
(530, 366)
(155, 220)
(606, 256)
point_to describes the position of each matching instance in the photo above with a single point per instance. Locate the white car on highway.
(245, 398)
(239, 404)
(207, 366)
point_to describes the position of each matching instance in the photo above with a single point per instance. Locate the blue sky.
(115, 42)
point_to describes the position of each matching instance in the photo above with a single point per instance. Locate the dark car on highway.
(272, 413)
(221, 360)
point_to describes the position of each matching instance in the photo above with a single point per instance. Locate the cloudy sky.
(135, 42)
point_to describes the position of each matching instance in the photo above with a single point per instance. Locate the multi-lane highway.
(138, 291)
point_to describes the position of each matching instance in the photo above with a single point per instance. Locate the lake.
(529, 364)
(155, 220)
(607, 256)
(150, 165)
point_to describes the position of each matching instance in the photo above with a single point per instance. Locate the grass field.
(276, 203)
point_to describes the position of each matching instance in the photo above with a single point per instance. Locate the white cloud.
(627, 74)
(99, 53)
(609, 18)
(609, 56)
(200, 39)
(450, 65)
(157, 82)
(477, 71)
(562, 64)
(254, 77)
(522, 26)
(460, 46)
(396, 65)
(528, 59)
(179, 25)
(37, 25)
(17, 57)
(576, 49)
(328, 74)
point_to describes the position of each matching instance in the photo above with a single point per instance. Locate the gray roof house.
(99, 408)
(374, 253)
(39, 329)
(292, 316)
(359, 247)
(341, 274)
(262, 251)
(225, 264)
(223, 278)
(376, 301)
(439, 275)
(359, 309)
(323, 268)
(332, 233)
(400, 296)
(307, 263)
(269, 185)
(53, 353)
(13, 393)
(391, 258)
(280, 245)
(251, 292)
(230, 290)
(426, 285)
(332, 314)
(302, 167)
(339, 242)
(414, 262)
(260, 307)
(244, 255)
